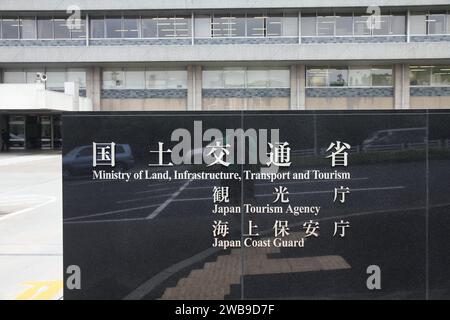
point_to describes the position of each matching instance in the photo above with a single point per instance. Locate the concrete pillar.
(94, 86)
(401, 86)
(298, 87)
(194, 98)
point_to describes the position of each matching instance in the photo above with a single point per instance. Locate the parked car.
(79, 161)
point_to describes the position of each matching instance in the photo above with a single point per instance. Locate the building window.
(437, 23)
(10, 28)
(14, 76)
(430, 23)
(136, 78)
(27, 28)
(308, 25)
(349, 77)
(61, 29)
(150, 27)
(78, 76)
(236, 78)
(417, 23)
(113, 27)
(360, 77)
(352, 24)
(274, 26)
(344, 25)
(430, 75)
(166, 79)
(131, 27)
(45, 28)
(248, 25)
(256, 25)
(325, 25)
(228, 26)
(97, 27)
(113, 79)
(56, 77)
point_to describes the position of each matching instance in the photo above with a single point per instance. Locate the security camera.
(41, 77)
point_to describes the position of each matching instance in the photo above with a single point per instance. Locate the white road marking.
(110, 212)
(144, 198)
(154, 190)
(168, 201)
(48, 201)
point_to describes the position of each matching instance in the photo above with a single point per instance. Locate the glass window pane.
(338, 77)
(448, 23)
(166, 79)
(344, 25)
(45, 28)
(418, 25)
(436, 24)
(309, 26)
(113, 27)
(12, 76)
(97, 28)
(255, 26)
(237, 26)
(440, 76)
(360, 77)
(203, 26)
(280, 78)
(274, 26)
(149, 27)
(113, 79)
(166, 27)
(221, 26)
(382, 77)
(78, 76)
(134, 79)
(10, 28)
(316, 77)
(258, 78)
(31, 75)
(182, 26)
(28, 28)
(381, 27)
(290, 25)
(131, 27)
(61, 30)
(234, 78)
(398, 24)
(361, 26)
(325, 26)
(78, 29)
(56, 79)
(213, 79)
(420, 76)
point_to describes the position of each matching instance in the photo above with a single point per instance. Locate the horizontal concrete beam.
(227, 53)
(57, 5)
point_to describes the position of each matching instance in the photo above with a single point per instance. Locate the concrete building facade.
(233, 55)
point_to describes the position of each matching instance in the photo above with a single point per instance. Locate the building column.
(298, 87)
(94, 86)
(401, 86)
(194, 95)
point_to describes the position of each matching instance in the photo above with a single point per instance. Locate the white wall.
(35, 97)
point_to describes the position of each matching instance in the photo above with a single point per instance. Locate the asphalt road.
(30, 227)
(138, 239)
